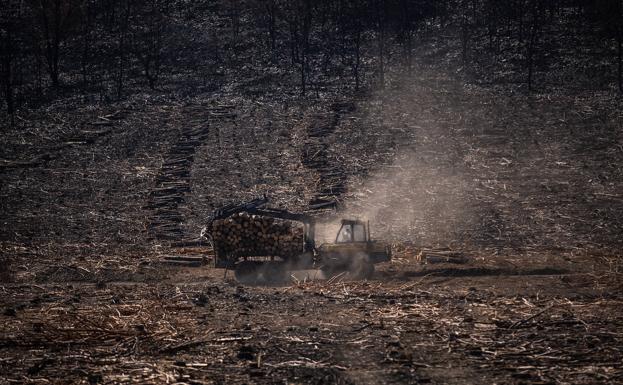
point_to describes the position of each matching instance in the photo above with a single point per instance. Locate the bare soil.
(511, 320)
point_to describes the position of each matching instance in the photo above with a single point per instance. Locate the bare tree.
(121, 44)
(380, 13)
(271, 9)
(467, 20)
(86, 31)
(620, 53)
(233, 9)
(536, 8)
(148, 39)
(610, 13)
(305, 30)
(55, 18)
(8, 17)
(299, 15)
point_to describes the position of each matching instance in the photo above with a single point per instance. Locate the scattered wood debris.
(441, 256)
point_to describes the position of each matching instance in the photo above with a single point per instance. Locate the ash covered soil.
(499, 320)
(529, 186)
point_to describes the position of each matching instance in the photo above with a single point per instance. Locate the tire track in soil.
(167, 201)
(316, 151)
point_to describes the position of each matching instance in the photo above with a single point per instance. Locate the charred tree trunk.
(465, 33)
(86, 32)
(618, 30)
(520, 17)
(620, 58)
(305, 44)
(235, 19)
(407, 30)
(380, 14)
(294, 41)
(39, 61)
(51, 22)
(149, 45)
(534, 33)
(7, 63)
(122, 43)
(357, 56)
(271, 12)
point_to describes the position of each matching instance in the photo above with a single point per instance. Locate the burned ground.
(496, 321)
(527, 185)
(432, 162)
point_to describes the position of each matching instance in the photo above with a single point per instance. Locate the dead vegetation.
(439, 324)
(527, 186)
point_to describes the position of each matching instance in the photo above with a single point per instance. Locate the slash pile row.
(250, 235)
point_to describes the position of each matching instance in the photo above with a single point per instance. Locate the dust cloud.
(415, 199)
(420, 186)
(424, 192)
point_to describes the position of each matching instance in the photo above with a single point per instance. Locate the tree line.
(114, 47)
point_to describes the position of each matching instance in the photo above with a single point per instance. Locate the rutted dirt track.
(503, 321)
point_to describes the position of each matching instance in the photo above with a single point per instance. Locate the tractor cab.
(353, 231)
(353, 241)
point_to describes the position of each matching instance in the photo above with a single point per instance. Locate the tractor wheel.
(246, 272)
(358, 271)
(272, 273)
(363, 270)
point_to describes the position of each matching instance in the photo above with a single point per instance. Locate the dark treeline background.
(109, 49)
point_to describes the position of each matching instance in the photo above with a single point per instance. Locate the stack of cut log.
(250, 235)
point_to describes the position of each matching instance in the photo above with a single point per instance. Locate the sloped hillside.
(430, 161)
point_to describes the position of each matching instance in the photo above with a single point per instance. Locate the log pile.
(168, 200)
(441, 256)
(251, 235)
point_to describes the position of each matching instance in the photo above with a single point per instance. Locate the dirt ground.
(529, 185)
(537, 320)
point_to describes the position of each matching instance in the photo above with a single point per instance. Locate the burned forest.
(311, 192)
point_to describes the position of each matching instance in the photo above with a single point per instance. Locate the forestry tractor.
(262, 244)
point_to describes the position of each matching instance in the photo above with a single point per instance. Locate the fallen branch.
(525, 320)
